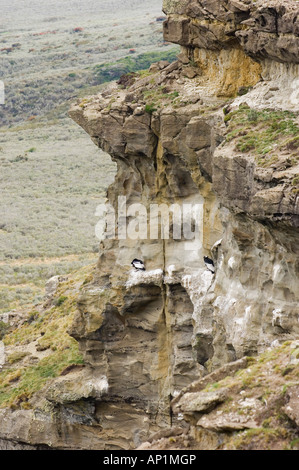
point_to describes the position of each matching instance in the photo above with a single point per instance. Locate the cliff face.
(216, 131)
(264, 29)
(172, 144)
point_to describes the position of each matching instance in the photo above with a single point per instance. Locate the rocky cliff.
(216, 131)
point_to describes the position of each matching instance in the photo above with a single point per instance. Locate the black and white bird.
(209, 263)
(138, 264)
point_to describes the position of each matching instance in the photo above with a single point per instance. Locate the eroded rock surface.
(167, 134)
(248, 404)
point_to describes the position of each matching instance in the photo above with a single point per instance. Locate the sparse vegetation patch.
(114, 70)
(264, 133)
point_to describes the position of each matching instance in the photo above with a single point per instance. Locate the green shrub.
(114, 70)
(150, 108)
(261, 132)
(60, 300)
(295, 181)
